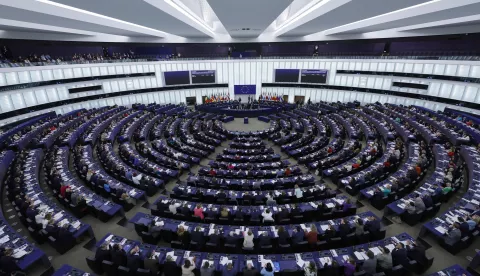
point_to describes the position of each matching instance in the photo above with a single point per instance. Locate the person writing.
(188, 267)
(267, 270)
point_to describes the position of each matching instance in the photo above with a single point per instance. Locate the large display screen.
(313, 76)
(286, 75)
(177, 77)
(203, 76)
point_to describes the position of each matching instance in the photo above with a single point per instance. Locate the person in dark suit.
(282, 214)
(52, 229)
(416, 252)
(231, 238)
(240, 213)
(170, 266)
(264, 239)
(151, 263)
(295, 211)
(282, 235)
(298, 235)
(221, 195)
(8, 263)
(372, 225)
(399, 255)
(102, 254)
(134, 260)
(31, 212)
(215, 237)
(64, 235)
(154, 230)
(247, 197)
(119, 256)
(343, 229)
(330, 232)
(427, 200)
(197, 236)
(185, 210)
(464, 227)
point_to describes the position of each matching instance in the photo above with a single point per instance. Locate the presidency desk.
(280, 262)
(231, 109)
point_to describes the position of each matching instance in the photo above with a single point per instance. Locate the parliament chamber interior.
(201, 138)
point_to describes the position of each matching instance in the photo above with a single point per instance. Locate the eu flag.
(249, 89)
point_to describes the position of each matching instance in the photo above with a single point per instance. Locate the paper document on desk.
(326, 261)
(330, 205)
(109, 238)
(390, 247)
(4, 239)
(76, 224)
(314, 205)
(359, 255)
(172, 254)
(324, 227)
(441, 229)
(225, 261)
(375, 250)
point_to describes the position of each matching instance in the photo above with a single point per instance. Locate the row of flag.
(270, 97)
(219, 97)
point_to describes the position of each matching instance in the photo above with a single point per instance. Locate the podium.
(245, 120)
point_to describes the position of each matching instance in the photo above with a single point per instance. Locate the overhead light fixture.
(48, 2)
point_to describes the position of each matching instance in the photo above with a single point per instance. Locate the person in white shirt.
(298, 192)
(136, 178)
(267, 215)
(43, 220)
(173, 207)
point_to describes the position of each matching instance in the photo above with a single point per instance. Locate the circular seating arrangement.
(236, 199)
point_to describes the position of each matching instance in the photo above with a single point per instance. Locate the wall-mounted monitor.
(313, 76)
(286, 75)
(203, 76)
(177, 77)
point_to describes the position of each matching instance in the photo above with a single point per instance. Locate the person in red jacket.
(330, 150)
(418, 169)
(288, 172)
(63, 190)
(312, 236)
(230, 166)
(212, 172)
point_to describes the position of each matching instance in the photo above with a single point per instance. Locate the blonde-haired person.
(248, 239)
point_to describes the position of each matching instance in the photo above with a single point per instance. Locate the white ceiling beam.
(65, 11)
(43, 27)
(417, 10)
(181, 12)
(464, 19)
(307, 13)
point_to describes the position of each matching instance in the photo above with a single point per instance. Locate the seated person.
(410, 207)
(267, 216)
(198, 211)
(197, 236)
(419, 205)
(231, 238)
(372, 225)
(264, 239)
(248, 239)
